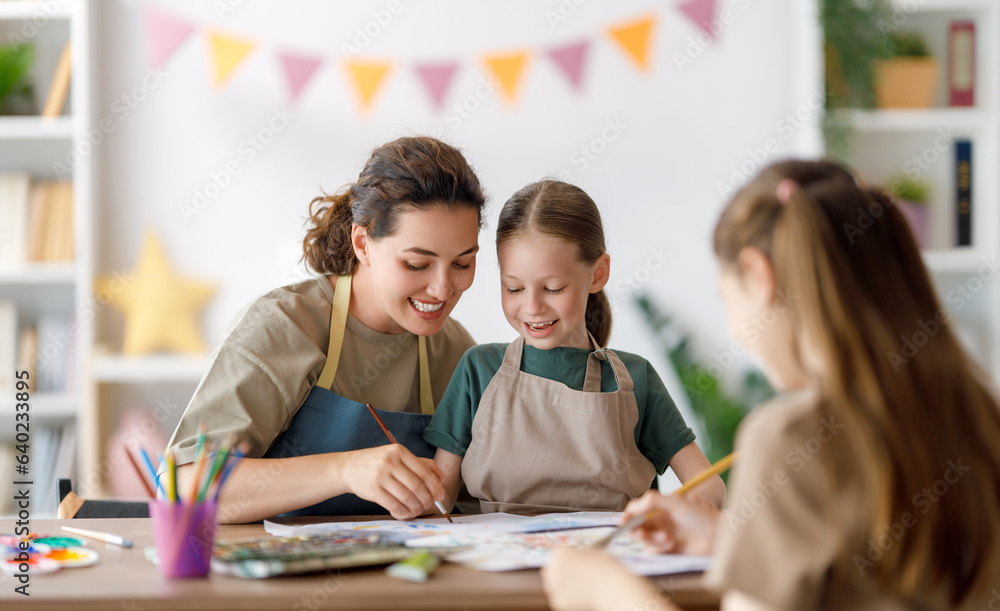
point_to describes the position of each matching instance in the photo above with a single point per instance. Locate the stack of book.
(40, 216)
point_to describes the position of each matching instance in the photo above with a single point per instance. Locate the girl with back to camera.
(553, 421)
(879, 468)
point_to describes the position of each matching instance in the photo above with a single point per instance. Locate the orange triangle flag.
(227, 52)
(508, 68)
(634, 39)
(367, 77)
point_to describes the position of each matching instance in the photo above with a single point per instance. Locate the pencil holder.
(184, 534)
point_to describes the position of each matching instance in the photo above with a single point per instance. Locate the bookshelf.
(921, 142)
(50, 296)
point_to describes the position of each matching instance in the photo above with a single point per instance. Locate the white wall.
(656, 183)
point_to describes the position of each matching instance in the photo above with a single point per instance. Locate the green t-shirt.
(659, 434)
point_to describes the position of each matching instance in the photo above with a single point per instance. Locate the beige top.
(779, 539)
(274, 352)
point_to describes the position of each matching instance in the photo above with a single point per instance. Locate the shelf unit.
(886, 143)
(35, 144)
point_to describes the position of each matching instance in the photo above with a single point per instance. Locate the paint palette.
(258, 557)
(45, 554)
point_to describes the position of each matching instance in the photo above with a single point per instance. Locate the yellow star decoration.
(160, 307)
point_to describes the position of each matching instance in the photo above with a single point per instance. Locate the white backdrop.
(680, 131)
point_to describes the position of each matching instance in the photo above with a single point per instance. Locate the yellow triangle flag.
(227, 53)
(634, 38)
(508, 68)
(367, 77)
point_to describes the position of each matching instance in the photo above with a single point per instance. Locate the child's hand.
(580, 579)
(396, 479)
(679, 524)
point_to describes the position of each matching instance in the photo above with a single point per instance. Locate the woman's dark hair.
(413, 173)
(565, 212)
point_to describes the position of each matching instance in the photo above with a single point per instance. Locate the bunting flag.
(164, 33)
(571, 58)
(634, 39)
(227, 52)
(436, 78)
(702, 12)
(299, 69)
(508, 67)
(367, 76)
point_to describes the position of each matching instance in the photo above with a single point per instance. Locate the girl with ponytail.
(873, 482)
(555, 421)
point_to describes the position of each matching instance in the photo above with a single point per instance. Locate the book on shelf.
(41, 226)
(963, 192)
(962, 63)
(27, 355)
(59, 87)
(8, 357)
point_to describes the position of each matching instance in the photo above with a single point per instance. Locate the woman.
(396, 249)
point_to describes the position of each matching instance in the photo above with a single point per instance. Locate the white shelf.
(36, 128)
(951, 6)
(955, 260)
(149, 369)
(34, 9)
(38, 273)
(43, 406)
(969, 119)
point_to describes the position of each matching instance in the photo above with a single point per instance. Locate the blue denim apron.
(328, 422)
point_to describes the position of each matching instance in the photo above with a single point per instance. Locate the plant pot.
(906, 82)
(916, 214)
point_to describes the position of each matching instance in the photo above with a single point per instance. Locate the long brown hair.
(405, 174)
(887, 364)
(566, 212)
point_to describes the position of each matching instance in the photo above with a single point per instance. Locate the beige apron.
(539, 446)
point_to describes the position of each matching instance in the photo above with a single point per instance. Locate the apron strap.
(512, 355)
(592, 383)
(426, 396)
(338, 324)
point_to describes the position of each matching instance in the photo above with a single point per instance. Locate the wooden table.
(124, 581)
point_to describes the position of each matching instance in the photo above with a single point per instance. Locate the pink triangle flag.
(299, 69)
(702, 12)
(164, 33)
(436, 78)
(570, 58)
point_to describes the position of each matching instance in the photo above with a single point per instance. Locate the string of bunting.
(228, 50)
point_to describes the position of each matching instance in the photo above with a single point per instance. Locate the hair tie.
(784, 190)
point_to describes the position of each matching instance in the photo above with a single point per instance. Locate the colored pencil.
(235, 458)
(172, 492)
(138, 471)
(221, 456)
(152, 470)
(637, 521)
(388, 434)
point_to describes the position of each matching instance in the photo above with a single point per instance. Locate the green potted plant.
(16, 97)
(909, 78)
(911, 196)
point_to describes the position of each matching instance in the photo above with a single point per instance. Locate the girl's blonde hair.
(887, 365)
(563, 211)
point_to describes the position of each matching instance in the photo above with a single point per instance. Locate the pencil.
(152, 470)
(388, 434)
(637, 521)
(93, 534)
(138, 471)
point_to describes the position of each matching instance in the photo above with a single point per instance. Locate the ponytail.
(327, 247)
(598, 317)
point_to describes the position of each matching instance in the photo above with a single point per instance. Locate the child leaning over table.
(554, 421)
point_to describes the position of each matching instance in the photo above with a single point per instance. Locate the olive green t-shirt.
(273, 355)
(660, 433)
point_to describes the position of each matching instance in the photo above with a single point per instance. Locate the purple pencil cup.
(184, 535)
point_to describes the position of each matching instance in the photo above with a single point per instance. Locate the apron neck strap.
(592, 383)
(338, 325)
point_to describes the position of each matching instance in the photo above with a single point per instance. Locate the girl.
(553, 421)
(874, 482)
(396, 250)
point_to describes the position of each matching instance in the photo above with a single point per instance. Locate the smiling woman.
(395, 251)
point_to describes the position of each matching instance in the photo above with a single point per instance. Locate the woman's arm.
(689, 462)
(389, 475)
(451, 468)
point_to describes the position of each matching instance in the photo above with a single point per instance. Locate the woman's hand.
(684, 525)
(395, 478)
(580, 579)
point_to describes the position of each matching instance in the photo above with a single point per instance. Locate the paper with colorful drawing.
(508, 542)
